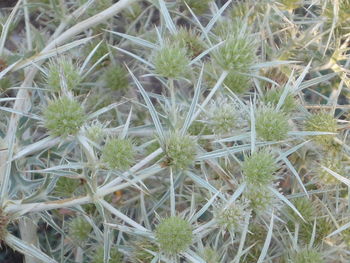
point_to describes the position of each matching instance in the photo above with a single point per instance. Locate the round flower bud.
(223, 117)
(95, 132)
(270, 124)
(180, 150)
(66, 68)
(79, 229)
(307, 255)
(232, 217)
(238, 83)
(259, 168)
(174, 235)
(260, 198)
(118, 154)
(273, 96)
(63, 117)
(116, 78)
(237, 54)
(322, 122)
(65, 187)
(171, 61)
(114, 256)
(189, 40)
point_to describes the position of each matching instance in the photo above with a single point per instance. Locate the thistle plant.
(118, 153)
(174, 235)
(171, 60)
(174, 131)
(271, 124)
(63, 117)
(62, 72)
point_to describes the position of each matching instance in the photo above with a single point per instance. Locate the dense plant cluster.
(175, 131)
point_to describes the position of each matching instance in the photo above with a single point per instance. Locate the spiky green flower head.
(223, 116)
(210, 255)
(189, 40)
(227, 28)
(271, 124)
(4, 221)
(272, 97)
(114, 256)
(79, 229)
(259, 168)
(174, 235)
(180, 150)
(115, 78)
(65, 187)
(65, 69)
(333, 163)
(322, 122)
(238, 83)
(260, 198)
(197, 6)
(63, 117)
(95, 132)
(307, 255)
(289, 5)
(232, 216)
(171, 60)
(237, 53)
(118, 154)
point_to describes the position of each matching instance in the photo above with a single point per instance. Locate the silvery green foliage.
(175, 131)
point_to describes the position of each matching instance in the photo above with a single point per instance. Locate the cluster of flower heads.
(218, 105)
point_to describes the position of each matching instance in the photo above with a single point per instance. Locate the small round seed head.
(116, 78)
(189, 40)
(237, 54)
(273, 96)
(180, 150)
(270, 124)
(334, 164)
(223, 117)
(114, 256)
(4, 221)
(62, 67)
(79, 229)
(65, 187)
(259, 168)
(171, 60)
(95, 132)
(322, 122)
(260, 198)
(63, 117)
(118, 153)
(233, 216)
(307, 255)
(174, 235)
(238, 83)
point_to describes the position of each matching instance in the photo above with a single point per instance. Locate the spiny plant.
(174, 131)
